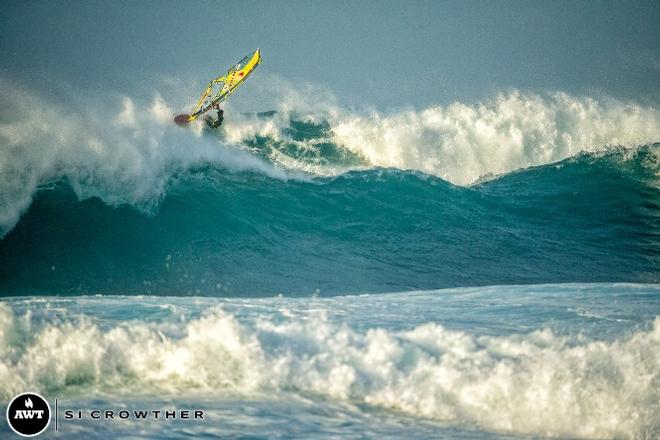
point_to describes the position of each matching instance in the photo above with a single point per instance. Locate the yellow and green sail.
(220, 88)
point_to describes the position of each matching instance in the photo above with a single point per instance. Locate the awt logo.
(28, 414)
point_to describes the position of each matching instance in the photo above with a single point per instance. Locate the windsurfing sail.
(220, 88)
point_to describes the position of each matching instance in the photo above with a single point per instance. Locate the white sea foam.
(460, 143)
(125, 149)
(536, 383)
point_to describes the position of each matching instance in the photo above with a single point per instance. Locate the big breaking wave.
(126, 152)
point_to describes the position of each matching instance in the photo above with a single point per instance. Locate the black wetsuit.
(217, 123)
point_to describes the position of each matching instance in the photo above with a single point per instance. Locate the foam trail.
(461, 143)
(537, 384)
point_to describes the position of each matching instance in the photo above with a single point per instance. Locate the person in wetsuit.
(218, 122)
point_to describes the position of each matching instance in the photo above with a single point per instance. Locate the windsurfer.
(218, 122)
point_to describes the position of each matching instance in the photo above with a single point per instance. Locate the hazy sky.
(386, 53)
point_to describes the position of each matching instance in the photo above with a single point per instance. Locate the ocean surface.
(554, 360)
(481, 270)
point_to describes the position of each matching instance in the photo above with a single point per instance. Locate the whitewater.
(539, 361)
(471, 270)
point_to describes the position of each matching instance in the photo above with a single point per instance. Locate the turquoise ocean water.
(458, 272)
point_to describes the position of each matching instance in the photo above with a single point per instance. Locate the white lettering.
(29, 414)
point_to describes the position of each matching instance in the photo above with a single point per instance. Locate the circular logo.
(28, 414)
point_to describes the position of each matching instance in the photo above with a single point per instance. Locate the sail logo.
(28, 414)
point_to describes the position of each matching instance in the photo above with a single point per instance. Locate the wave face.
(317, 198)
(538, 361)
(216, 232)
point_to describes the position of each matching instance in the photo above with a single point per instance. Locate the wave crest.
(125, 150)
(122, 150)
(461, 143)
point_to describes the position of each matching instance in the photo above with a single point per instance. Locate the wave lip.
(534, 383)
